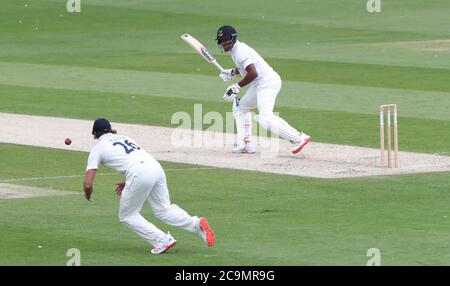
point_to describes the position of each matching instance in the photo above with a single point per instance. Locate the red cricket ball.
(68, 141)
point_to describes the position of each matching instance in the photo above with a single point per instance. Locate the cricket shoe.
(245, 149)
(164, 244)
(205, 232)
(298, 146)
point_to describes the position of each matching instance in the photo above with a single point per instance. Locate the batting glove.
(227, 74)
(231, 91)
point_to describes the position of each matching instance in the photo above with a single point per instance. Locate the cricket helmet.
(225, 34)
(101, 125)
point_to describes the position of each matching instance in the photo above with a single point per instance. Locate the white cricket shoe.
(244, 149)
(164, 244)
(298, 146)
(205, 232)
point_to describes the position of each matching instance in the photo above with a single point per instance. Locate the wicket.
(388, 108)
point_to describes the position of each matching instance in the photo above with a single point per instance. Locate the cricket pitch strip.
(319, 160)
(11, 191)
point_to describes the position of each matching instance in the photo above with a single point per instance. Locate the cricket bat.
(199, 48)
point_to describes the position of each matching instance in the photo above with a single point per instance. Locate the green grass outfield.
(259, 219)
(125, 60)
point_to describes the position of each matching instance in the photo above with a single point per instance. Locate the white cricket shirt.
(117, 152)
(243, 55)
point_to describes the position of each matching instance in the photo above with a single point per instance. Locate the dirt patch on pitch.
(11, 191)
(213, 149)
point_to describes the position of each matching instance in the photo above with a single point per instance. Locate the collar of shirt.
(104, 136)
(235, 46)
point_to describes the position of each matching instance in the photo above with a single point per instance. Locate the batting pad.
(243, 124)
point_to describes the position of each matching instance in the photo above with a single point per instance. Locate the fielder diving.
(145, 182)
(265, 85)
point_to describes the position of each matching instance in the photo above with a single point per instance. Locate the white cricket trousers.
(147, 183)
(262, 97)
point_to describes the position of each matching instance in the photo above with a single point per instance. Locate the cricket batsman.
(145, 181)
(265, 84)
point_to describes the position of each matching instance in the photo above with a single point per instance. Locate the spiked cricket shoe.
(245, 149)
(164, 244)
(298, 146)
(205, 231)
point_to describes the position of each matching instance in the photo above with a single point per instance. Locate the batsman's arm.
(88, 183)
(250, 76)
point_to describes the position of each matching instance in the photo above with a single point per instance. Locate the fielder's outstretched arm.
(89, 183)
